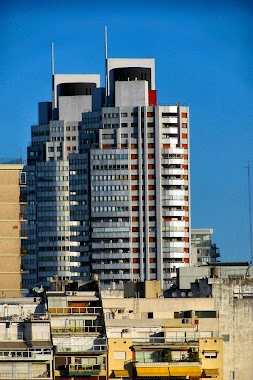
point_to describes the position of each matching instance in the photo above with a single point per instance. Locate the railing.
(189, 338)
(75, 310)
(21, 355)
(85, 367)
(41, 336)
(76, 329)
(11, 161)
(17, 336)
(36, 316)
(24, 375)
(82, 348)
(173, 363)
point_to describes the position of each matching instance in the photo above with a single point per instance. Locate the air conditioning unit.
(74, 293)
(194, 349)
(125, 330)
(186, 320)
(68, 293)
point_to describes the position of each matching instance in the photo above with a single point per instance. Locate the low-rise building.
(25, 339)
(159, 337)
(78, 335)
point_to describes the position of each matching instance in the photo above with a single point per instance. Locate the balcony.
(115, 276)
(99, 345)
(111, 256)
(112, 266)
(176, 338)
(75, 310)
(11, 375)
(22, 317)
(25, 355)
(80, 370)
(77, 329)
(10, 337)
(111, 245)
(174, 202)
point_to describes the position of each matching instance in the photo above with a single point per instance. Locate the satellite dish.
(174, 294)
(183, 294)
(38, 289)
(190, 294)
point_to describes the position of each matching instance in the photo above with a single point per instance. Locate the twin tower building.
(108, 181)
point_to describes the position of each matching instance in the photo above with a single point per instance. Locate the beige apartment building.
(12, 221)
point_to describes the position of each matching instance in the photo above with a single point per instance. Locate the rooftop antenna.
(106, 67)
(250, 219)
(52, 69)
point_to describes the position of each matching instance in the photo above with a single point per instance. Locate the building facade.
(109, 180)
(13, 223)
(203, 250)
(25, 339)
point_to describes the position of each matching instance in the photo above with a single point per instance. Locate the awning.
(15, 346)
(211, 371)
(40, 344)
(185, 371)
(120, 373)
(152, 371)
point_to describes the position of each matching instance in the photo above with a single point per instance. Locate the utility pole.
(250, 220)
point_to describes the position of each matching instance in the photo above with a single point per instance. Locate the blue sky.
(204, 58)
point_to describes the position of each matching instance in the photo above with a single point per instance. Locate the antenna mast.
(106, 67)
(250, 222)
(52, 69)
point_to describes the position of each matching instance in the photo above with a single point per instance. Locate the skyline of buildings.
(106, 188)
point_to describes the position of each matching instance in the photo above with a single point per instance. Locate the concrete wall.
(212, 345)
(164, 308)
(72, 107)
(190, 274)
(10, 242)
(236, 324)
(132, 93)
(118, 353)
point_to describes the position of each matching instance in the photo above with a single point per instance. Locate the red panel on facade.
(152, 97)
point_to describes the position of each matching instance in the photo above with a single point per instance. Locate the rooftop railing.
(11, 161)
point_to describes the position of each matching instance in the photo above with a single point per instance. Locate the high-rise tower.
(108, 180)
